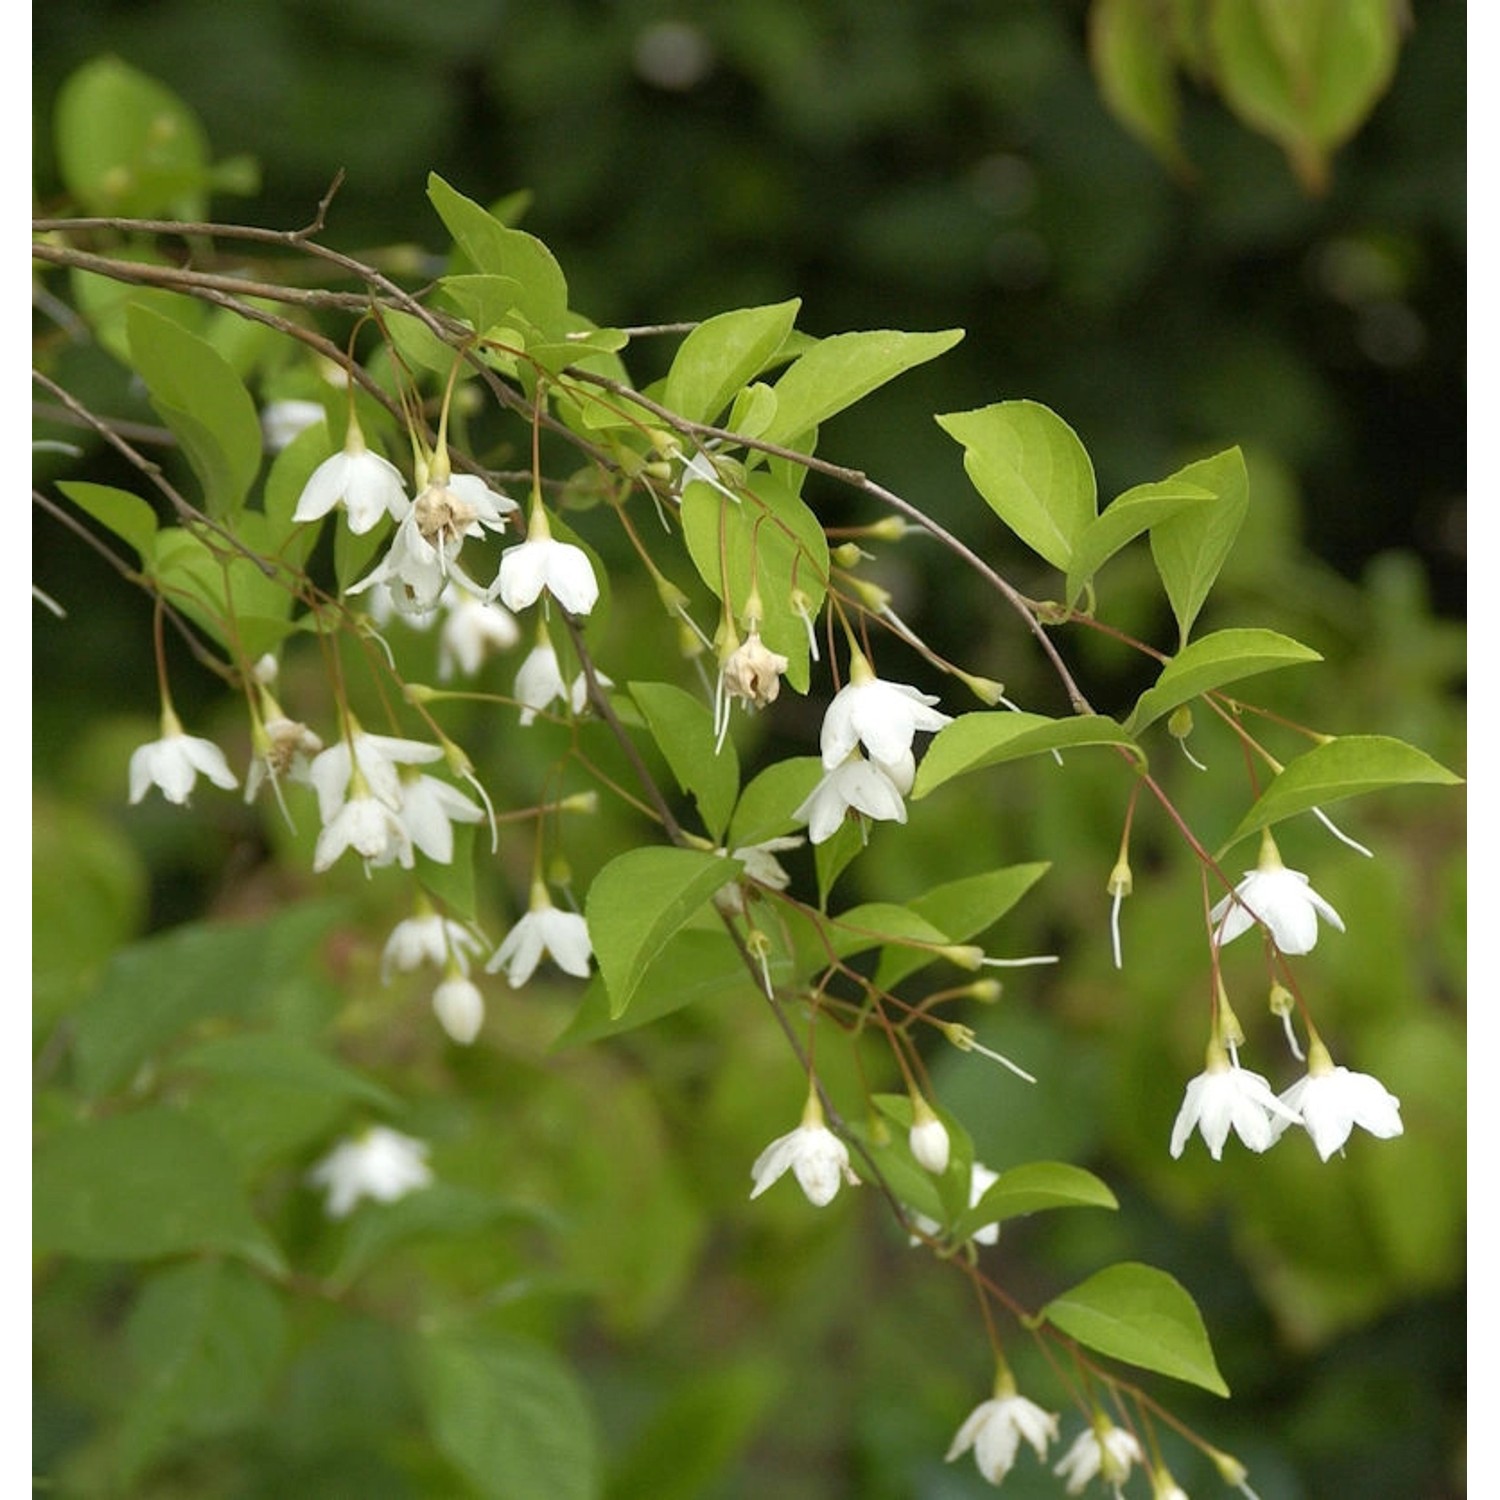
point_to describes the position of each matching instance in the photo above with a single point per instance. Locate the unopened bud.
(1231, 1033)
(846, 555)
(1180, 723)
(1281, 1000)
(986, 689)
(689, 642)
(673, 600)
(419, 692)
(580, 802)
(965, 955)
(559, 871)
(888, 529)
(871, 595)
(928, 1137)
(1120, 881)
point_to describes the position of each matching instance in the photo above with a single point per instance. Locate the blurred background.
(945, 164)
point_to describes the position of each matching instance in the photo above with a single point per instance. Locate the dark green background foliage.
(915, 166)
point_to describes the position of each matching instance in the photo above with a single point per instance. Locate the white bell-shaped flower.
(858, 785)
(882, 716)
(996, 1428)
(1330, 1101)
(1102, 1450)
(381, 1163)
(427, 938)
(1280, 899)
(564, 935)
(1225, 1097)
(541, 563)
(459, 1008)
(812, 1152)
(368, 486)
(174, 763)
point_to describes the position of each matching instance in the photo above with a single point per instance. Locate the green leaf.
(962, 909)
(290, 540)
(1143, 1317)
(722, 355)
(202, 583)
(1124, 519)
(483, 301)
(510, 1416)
(1305, 74)
(128, 516)
(683, 729)
(638, 901)
(876, 923)
(1189, 549)
(1131, 53)
(986, 739)
(440, 1211)
(770, 541)
(495, 250)
(1030, 1188)
(765, 808)
(1222, 657)
(285, 1062)
(205, 1339)
(1032, 471)
(128, 146)
(1345, 767)
(155, 989)
(838, 371)
(203, 401)
(139, 1186)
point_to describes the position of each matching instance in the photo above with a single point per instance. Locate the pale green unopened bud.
(559, 871)
(846, 555)
(1281, 1000)
(871, 595)
(888, 529)
(1180, 723)
(965, 955)
(580, 802)
(419, 692)
(1120, 880)
(986, 689)
(1231, 1033)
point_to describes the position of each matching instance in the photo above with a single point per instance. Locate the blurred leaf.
(510, 1416)
(1344, 767)
(683, 729)
(1190, 548)
(638, 901)
(1213, 661)
(1142, 1316)
(139, 1186)
(722, 355)
(203, 401)
(1130, 47)
(1032, 471)
(976, 740)
(206, 1339)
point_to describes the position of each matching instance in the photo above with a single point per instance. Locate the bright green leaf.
(722, 355)
(1124, 519)
(1344, 767)
(638, 901)
(128, 516)
(1222, 657)
(684, 733)
(765, 808)
(1032, 471)
(986, 739)
(1143, 1317)
(1032, 1187)
(1189, 549)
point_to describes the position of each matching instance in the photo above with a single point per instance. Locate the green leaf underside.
(722, 355)
(1224, 656)
(638, 901)
(1141, 1316)
(1032, 471)
(1345, 767)
(975, 740)
(683, 729)
(962, 909)
(1031, 1188)
(1124, 519)
(838, 371)
(1190, 548)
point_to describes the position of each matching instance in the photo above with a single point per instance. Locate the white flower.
(1225, 1097)
(281, 422)
(283, 751)
(539, 682)
(883, 716)
(928, 1139)
(174, 763)
(381, 1163)
(544, 929)
(995, 1430)
(1331, 1101)
(472, 628)
(369, 486)
(427, 938)
(459, 1007)
(369, 827)
(761, 864)
(1108, 1451)
(429, 808)
(981, 1180)
(1280, 898)
(816, 1156)
(376, 756)
(863, 785)
(538, 563)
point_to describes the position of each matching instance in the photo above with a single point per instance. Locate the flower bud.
(928, 1138)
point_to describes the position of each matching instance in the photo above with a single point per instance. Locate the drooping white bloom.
(1103, 1450)
(882, 716)
(381, 1164)
(429, 809)
(459, 1008)
(981, 1180)
(1225, 1097)
(174, 763)
(473, 626)
(539, 682)
(368, 826)
(376, 756)
(427, 938)
(1330, 1101)
(564, 935)
(283, 752)
(815, 1155)
(863, 785)
(543, 563)
(282, 422)
(1279, 898)
(368, 485)
(995, 1430)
